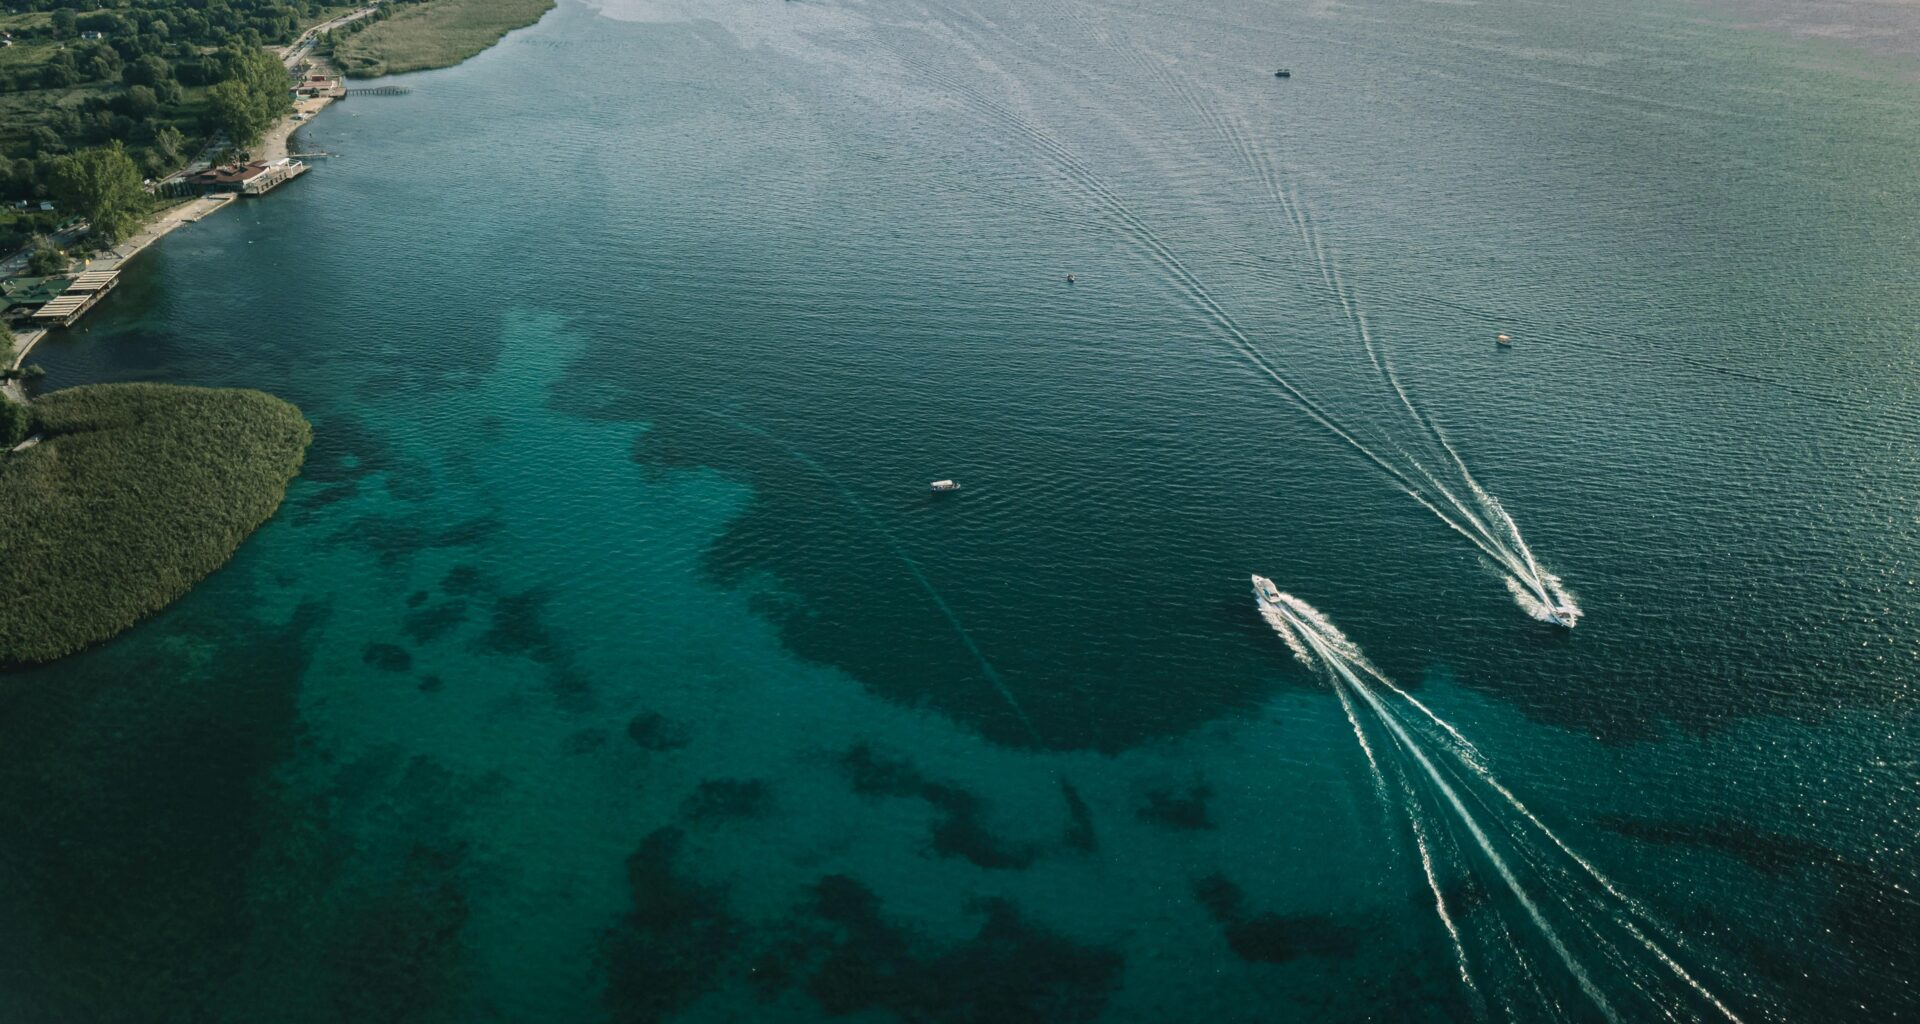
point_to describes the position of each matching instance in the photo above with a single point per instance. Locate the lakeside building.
(248, 179)
(320, 87)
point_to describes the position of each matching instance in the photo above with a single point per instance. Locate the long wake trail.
(1472, 512)
(1614, 923)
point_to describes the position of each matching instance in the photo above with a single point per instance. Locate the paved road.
(301, 46)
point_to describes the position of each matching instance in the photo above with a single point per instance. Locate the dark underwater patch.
(1010, 971)
(958, 831)
(463, 581)
(393, 538)
(135, 796)
(390, 538)
(313, 499)
(398, 944)
(726, 799)
(474, 531)
(1766, 852)
(432, 684)
(673, 945)
(425, 625)
(411, 481)
(571, 689)
(517, 627)
(1179, 808)
(1867, 915)
(838, 532)
(1268, 937)
(585, 741)
(651, 730)
(387, 657)
(1079, 834)
(345, 450)
(364, 920)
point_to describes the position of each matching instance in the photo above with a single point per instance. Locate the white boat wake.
(1408, 445)
(1593, 930)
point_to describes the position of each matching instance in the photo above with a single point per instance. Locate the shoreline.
(274, 144)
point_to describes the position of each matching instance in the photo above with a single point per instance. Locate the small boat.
(1264, 589)
(1503, 341)
(1283, 73)
(1069, 278)
(941, 486)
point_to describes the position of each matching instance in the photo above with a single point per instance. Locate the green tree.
(46, 260)
(103, 185)
(234, 112)
(148, 70)
(252, 94)
(141, 101)
(167, 142)
(64, 23)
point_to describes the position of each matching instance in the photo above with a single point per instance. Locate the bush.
(46, 260)
(138, 492)
(15, 423)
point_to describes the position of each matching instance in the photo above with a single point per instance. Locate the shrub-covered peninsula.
(437, 34)
(132, 494)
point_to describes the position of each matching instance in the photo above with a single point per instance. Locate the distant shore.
(436, 34)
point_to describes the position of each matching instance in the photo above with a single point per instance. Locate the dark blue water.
(610, 660)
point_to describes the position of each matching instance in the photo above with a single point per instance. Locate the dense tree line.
(149, 81)
(103, 186)
(154, 78)
(250, 95)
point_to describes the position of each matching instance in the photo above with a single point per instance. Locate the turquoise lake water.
(610, 660)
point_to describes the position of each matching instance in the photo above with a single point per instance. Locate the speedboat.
(945, 485)
(1264, 589)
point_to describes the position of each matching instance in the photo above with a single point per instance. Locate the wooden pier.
(79, 297)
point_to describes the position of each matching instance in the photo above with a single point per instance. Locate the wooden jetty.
(79, 297)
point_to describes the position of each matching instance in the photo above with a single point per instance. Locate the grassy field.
(137, 493)
(435, 34)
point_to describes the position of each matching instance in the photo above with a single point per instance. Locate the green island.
(436, 34)
(132, 494)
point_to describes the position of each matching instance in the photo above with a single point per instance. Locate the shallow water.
(610, 660)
